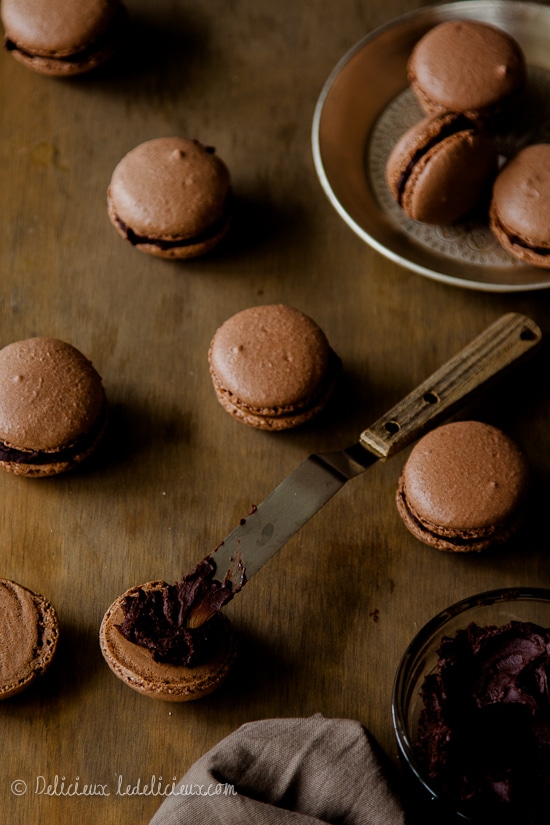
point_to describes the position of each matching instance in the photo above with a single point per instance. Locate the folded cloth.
(286, 772)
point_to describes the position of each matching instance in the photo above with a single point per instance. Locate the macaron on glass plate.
(364, 107)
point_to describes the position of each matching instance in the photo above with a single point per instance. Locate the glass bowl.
(496, 607)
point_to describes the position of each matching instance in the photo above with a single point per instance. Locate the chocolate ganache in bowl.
(471, 708)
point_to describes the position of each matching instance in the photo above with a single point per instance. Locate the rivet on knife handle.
(318, 478)
(498, 347)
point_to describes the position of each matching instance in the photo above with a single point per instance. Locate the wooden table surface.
(324, 624)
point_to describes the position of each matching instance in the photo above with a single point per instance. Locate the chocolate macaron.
(171, 197)
(441, 167)
(145, 642)
(463, 487)
(62, 37)
(53, 410)
(272, 367)
(29, 631)
(519, 215)
(467, 66)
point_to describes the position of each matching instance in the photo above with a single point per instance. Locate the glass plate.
(366, 105)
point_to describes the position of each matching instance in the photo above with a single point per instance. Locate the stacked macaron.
(520, 206)
(469, 77)
(62, 38)
(467, 66)
(53, 409)
(464, 487)
(272, 367)
(440, 167)
(171, 198)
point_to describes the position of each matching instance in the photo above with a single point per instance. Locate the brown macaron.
(53, 410)
(62, 37)
(136, 667)
(29, 631)
(272, 367)
(171, 197)
(440, 168)
(467, 66)
(463, 487)
(519, 214)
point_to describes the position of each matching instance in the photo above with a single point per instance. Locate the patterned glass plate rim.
(366, 104)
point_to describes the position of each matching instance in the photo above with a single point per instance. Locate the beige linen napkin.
(286, 772)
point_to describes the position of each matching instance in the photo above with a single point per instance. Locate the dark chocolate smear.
(157, 619)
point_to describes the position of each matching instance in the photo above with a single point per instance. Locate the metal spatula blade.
(317, 479)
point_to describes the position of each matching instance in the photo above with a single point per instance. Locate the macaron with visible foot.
(171, 198)
(467, 66)
(464, 487)
(53, 410)
(147, 639)
(441, 168)
(272, 367)
(29, 632)
(62, 38)
(520, 206)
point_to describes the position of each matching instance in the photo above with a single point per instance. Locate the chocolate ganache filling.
(173, 243)
(516, 240)
(84, 53)
(484, 732)
(157, 619)
(64, 453)
(459, 123)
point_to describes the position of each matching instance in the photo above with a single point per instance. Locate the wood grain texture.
(324, 624)
(501, 346)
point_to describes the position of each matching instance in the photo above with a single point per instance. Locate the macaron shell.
(464, 480)
(268, 357)
(169, 188)
(401, 156)
(49, 394)
(476, 540)
(29, 631)
(448, 180)
(135, 666)
(520, 206)
(272, 420)
(57, 27)
(466, 66)
(62, 37)
(55, 466)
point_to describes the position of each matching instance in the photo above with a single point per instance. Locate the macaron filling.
(453, 125)
(80, 56)
(311, 402)
(157, 619)
(515, 240)
(66, 452)
(82, 53)
(457, 538)
(207, 234)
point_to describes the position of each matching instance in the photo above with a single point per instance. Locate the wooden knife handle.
(487, 356)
